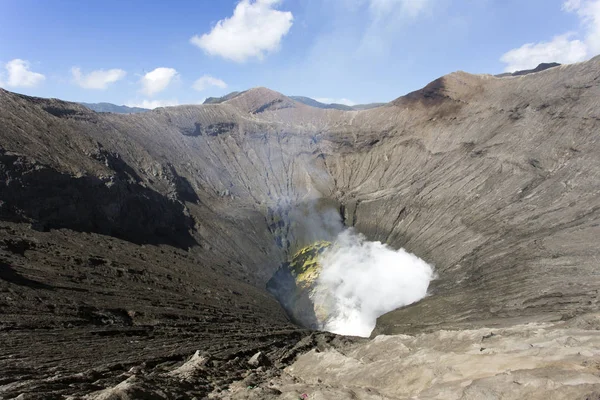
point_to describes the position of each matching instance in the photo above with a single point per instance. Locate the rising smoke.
(314, 220)
(361, 280)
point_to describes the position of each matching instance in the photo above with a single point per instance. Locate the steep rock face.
(117, 206)
(492, 180)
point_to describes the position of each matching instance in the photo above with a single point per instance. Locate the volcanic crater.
(130, 242)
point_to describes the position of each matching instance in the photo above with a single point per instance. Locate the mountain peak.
(261, 99)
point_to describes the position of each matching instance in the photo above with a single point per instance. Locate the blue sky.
(354, 51)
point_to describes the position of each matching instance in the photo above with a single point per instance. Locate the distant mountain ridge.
(539, 68)
(113, 108)
(116, 109)
(301, 99)
(314, 103)
(336, 106)
(218, 100)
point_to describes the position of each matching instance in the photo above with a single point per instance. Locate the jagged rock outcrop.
(492, 180)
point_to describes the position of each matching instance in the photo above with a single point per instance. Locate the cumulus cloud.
(361, 280)
(589, 13)
(19, 74)
(152, 104)
(560, 49)
(254, 29)
(207, 81)
(157, 80)
(99, 79)
(566, 48)
(329, 100)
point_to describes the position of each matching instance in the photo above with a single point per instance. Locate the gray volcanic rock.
(117, 206)
(547, 361)
(131, 241)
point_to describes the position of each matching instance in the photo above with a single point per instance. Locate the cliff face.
(492, 180)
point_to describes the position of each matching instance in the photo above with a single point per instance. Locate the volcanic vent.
(343, 282)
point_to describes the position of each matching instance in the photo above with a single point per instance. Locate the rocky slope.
(533, 361)
(131, 241)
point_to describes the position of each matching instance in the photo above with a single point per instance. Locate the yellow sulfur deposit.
(304, 265)
(295, 285)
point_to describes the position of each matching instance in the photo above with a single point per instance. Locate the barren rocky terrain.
(130, 242)
(533, 361)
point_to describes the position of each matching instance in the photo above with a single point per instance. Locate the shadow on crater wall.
(49, 199)
(8, 274)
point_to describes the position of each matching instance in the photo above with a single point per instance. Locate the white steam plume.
(361, 280)
(312, 221)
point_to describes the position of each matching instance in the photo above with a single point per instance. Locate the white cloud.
(152, 104)
(571, 5)
(589, 13)
(207, 81)
(20, 74)
(328, 100)
(255, 28)
(386, 18)
(99, 79)
(157, 80)
(561, 49)
(409, 8)
(565, 48)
